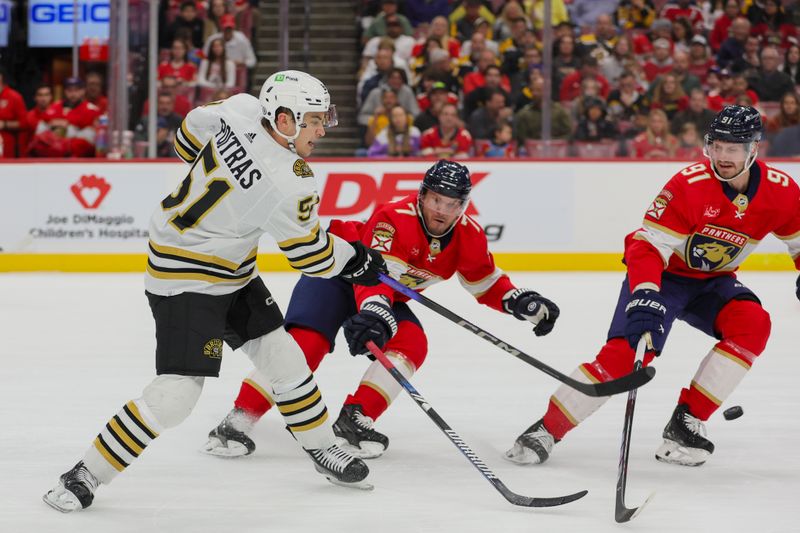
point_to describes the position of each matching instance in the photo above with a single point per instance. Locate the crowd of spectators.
(205, 53)
(639, 78)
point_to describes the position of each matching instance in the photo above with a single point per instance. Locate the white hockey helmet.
(299, 92)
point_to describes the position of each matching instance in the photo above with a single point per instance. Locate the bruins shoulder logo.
(714, 248)
(213, 349)
(301, 168)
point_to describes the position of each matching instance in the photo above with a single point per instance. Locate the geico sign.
(372, 191)
(47, 13)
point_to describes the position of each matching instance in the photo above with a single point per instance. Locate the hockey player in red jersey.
(681, 264)
(425, 238)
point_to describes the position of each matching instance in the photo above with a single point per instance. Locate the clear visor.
(723, 153)
(331, 118)
(442, 205)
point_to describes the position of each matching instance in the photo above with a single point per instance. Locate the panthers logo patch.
(213, 349)
(301, 168)
(714, 248)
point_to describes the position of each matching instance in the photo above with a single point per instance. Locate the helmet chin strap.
(288, 138)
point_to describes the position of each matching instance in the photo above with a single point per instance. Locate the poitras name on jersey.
(232, 151)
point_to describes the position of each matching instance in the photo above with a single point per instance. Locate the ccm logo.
(351, 193)
(64, 13)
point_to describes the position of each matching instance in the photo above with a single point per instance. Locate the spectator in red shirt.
(439, 30)
(656, 142)
(683, 9)
(722, 25)
(12, 118)
(71, 120)
(669, 96)
(94, 90)
(690, 144)
(448, 140)
(178, 65)
(571, 86)
(789, 114)
(774, 27)
(699, 59)
(182, 104)
(43, 98)
(661, 62)
(477, 78)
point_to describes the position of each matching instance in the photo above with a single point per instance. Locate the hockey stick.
(621, 512)
(512, 497)
(635, 379)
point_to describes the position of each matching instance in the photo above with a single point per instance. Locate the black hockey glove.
(526, 304)
(645, 311)
(364, 267)
(375, 322)
(798, 288)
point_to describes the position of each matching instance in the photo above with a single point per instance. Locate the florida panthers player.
(681, 264)
(248, 177)
(425, 238)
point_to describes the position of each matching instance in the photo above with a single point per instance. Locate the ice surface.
(76, 347)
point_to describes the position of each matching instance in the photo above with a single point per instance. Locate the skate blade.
(231, 451)
(675, 454)
(367, 450)
(66, 504)
(360, 485)
(521, 456)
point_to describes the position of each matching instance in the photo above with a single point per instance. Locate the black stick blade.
(626, 383)
(526, 501)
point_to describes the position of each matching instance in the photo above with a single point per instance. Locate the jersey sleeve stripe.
(312, 258)
(181, 151)
(296, 242)
(478, 288)
(189, 138)
(791, 237)
(177, 254)
(320, 272)
(664, 229)
(187, 146)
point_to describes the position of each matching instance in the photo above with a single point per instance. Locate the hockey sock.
(253, 397)
(567, 407)
(121, 441)
(378, 388)
(306, 415)
(744, 327)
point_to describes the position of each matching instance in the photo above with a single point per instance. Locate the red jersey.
(418, 261)
(460, 142)
(693, 14)
(186, 72)
(700, 227)
(81, 116)
(571, 86)
(12, 108)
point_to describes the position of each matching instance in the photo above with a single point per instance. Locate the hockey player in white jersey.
(248, 177)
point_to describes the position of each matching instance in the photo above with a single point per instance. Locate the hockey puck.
(732, 413)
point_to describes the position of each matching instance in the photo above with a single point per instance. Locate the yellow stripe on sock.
(564, 411)
(379, 390)
(107, 456)
(135, 410)
(122, 434)
(310, 425)
(716, 401)
(296, 406)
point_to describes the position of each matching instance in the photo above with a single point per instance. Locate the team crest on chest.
(713, 248)
(301, 168)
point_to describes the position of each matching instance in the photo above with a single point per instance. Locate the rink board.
(538, 215)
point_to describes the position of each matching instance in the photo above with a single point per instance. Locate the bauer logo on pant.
(213, 349)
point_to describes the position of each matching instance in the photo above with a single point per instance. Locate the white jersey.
(242, 184)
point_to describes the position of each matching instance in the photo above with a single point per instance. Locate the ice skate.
(341, 468)
(533, 447)
(229, 438)
(75, 490)
(684, 440)
(356, 434)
